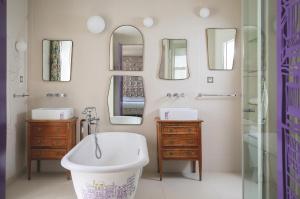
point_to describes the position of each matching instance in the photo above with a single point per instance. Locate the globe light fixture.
(96, 24)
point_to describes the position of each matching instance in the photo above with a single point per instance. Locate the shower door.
(2, 96)
(254, 98)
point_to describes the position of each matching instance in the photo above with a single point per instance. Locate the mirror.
(126, 100)
(174, 60)
(126, 49)
(221, 48)
(57, 60)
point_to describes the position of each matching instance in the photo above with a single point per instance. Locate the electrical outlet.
(21, 78)
(210, 80)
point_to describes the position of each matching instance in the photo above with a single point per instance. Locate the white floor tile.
(173, 186)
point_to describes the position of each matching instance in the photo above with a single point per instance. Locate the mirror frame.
(142, 121)
(109, 54)
(235, 48)
(187, 60)
(71, 59)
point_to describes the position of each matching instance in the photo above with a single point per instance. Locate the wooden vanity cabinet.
(49, 140)
(179, 140)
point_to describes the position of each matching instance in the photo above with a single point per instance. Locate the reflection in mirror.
(126, 100)
(126, 49)
(221, 48)
(174, 60)
(57, 60)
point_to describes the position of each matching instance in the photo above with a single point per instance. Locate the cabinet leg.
(68, 174)
(38, 166)
(28, 169)
(200, 170)
(194, 166)
(160, 170)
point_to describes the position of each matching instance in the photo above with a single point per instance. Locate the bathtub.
(116, 174)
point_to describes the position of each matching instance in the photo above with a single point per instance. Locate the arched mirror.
(174, 64)
(126, 99)
(126, 49)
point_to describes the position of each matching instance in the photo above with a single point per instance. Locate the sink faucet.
(176, 95)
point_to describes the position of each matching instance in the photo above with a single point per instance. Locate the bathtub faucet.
(90, 117)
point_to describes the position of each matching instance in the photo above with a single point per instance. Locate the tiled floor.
(213, 186)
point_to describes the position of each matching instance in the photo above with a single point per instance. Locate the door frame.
(2, 96)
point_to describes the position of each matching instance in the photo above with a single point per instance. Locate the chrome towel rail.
(23, 95)
(56, 95)
(216, 95)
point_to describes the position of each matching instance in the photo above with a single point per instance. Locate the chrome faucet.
(176, 95)
(90, 117)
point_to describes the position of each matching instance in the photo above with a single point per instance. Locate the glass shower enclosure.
(259, 99)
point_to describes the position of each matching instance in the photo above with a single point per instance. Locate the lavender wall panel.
(2, 96)
(288, 99)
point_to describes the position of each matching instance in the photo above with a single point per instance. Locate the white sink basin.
(52, 113)
(178, 114)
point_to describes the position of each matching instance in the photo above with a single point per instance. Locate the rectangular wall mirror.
(174, 65)
(126, 49)
(57, 60)
(126, 99)
(221, 48)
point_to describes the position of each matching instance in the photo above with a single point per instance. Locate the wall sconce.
(96, 24)
(21, 46)
(148, 22)
(204, 12)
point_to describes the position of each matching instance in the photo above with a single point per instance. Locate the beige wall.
(57, 19)
(16, 107)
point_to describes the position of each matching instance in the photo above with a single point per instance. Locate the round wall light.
(21, 46)
(96, 24)
(204, 12)
(148, 22)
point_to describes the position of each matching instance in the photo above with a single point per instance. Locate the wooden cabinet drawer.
(47, 130)
(179, 130)
(48, 142)
(180, 140)
(180, 153)
(47, 153)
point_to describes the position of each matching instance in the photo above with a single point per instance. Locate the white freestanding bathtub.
(116, 174)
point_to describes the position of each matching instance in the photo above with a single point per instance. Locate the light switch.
(210, 80)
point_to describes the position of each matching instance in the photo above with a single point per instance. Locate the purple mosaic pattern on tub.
(288, 99)
(113, 191)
